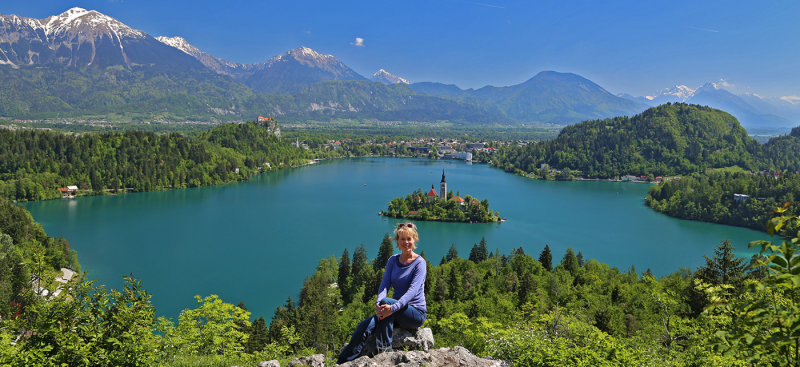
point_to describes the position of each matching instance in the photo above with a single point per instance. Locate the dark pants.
(407, 318)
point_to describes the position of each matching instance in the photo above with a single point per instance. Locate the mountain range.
(83, 63)
(753, 111)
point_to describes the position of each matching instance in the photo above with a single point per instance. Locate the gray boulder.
(456, 356)
(316, 360)
(402, 339)
(272, 363)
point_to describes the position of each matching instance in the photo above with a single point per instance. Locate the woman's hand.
(383, 311)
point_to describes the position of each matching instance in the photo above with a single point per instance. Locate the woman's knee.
(388, 301)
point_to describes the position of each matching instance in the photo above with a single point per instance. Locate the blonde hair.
(409, 229)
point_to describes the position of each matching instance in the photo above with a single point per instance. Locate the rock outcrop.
(402, 339)
(444, 357)
(412, 348)
(316, 360)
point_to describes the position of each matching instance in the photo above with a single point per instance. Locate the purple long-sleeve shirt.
(408, 281)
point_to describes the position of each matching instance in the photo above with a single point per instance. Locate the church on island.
(432, 196)
(441, 206)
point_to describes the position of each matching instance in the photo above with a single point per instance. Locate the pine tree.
(484, 250)
(359, 262)
(344, 276)
(580, 259)
(240, 324)
(285, 315)
(546, 258)
(724, 268)
(570, 262)
(344, 267)
(474, 254)
(384, 253)
(258, 336)
(454, 284)
(452, 253)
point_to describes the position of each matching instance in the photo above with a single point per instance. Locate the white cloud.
(791, 99)
(724, 83)
(490, 5)
(359, 42)
(704, 29)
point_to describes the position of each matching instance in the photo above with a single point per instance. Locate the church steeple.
(443, 187)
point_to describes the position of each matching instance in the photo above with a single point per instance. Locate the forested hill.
(35, 163)
(670, 139)
(27, 253)
(781, 153)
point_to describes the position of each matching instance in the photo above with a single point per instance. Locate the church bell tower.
(443, 187)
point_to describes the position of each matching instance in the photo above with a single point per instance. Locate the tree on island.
(421, 206)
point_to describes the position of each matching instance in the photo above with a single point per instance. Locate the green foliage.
(384, 253)
(479, 253)
(763, 325)
(26, 250)
(710, 197)
(534, 343)
(667, 140)
(212, 328)
(318, 307)
(121, 94)
(88, 325)
(257, 340)
(459, 329)
(420, 207)
(546, 258)
(570, 261)
(36, 163)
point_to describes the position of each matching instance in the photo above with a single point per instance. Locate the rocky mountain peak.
(678, 93)
(89, 22)
(385, 77)
(181, 44)
(307, 56)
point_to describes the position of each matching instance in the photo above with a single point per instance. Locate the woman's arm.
(383, 289)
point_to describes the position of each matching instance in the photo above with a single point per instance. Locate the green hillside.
(670, 139)
(35, 163)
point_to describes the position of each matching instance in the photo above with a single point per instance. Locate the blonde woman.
(406, 273)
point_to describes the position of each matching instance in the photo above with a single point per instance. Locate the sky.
(637, 47)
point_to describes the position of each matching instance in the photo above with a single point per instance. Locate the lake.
(256, 241)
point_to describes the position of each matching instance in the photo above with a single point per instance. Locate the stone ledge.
(444, 357)
(403, 339)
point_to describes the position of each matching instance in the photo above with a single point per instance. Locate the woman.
(406, 273)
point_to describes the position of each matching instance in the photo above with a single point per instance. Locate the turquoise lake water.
(256, 241)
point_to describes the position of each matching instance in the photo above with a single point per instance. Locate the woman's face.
(405, 242)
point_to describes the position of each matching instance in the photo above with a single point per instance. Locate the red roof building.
(432, 193)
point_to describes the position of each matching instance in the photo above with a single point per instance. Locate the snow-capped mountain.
(678, 93)
(286, 73)
(218, 65)
(753, 111)
(296, 69)
(80, 37)
(181, 44)
(387, 78)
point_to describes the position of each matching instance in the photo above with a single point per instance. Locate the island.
(442, 206)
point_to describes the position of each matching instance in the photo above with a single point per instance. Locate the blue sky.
(637, 47)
